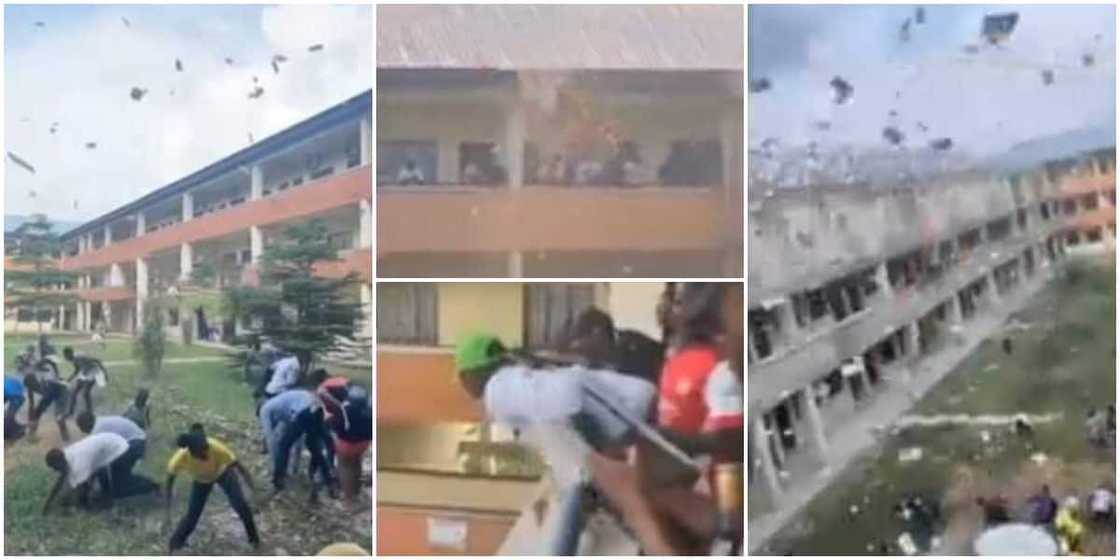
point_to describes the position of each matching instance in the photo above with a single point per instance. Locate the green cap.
(475, 351)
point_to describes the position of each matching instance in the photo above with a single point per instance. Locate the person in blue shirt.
(14, 396)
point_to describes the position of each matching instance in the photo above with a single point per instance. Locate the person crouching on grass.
(208, 462)
(80, 462)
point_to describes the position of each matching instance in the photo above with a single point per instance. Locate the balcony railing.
(559, 218)
(312, 198)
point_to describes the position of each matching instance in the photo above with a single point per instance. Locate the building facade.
(220, 219)
(543, 155)
(861, 298)
(448, 482)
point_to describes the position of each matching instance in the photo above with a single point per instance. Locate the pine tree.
(296, 309)
(34, 279)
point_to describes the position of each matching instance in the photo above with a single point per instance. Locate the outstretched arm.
(170, 485)
(54, 492)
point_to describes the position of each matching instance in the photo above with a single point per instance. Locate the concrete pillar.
(141, 288)
(764, 461)
(141, 223)
(365, 224)
(188, 206)
(956, 313)
(752, 353)
(913, 339)
(787, 323)
(365, 140)
(89, 241)
(87, 315)
(993, 292)
(108, 235)
(817, 438)
(516, 264)
(729, 138)
(107, 309)
(515, 144)
(186, 261)
(60, 314)
(366, 328)
(256, 243)
(80, 316)
(116, 276)
(883, 279)
(256, 182)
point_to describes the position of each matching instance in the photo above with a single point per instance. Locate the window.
(393, 155)
(173, 316)
(406, 314)
(550, 308)
(479, 165)
(322, 172)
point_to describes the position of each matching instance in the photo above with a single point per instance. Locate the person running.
(208, 462)
(125, 482)
(353, 430)
(286, 418)
(79, 463)
(88, 372)
(140, 412)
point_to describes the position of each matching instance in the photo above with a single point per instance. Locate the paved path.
(858, 436)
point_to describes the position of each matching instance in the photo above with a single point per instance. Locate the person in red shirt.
(697, 326)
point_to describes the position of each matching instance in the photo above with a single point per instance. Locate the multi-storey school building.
(553, 141)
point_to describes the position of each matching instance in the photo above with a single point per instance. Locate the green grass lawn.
(1064, 363)
(209, 392)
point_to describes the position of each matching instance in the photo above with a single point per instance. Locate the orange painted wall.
(1087, 183)
(404, 531)
(554, 218)
(357, 260)
(415, 387)
(106, 293)
(312, 198)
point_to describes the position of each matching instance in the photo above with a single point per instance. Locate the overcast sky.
(985, 101)
(78, 67)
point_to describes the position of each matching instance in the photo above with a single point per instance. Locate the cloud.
(79, 68)
(987, 102)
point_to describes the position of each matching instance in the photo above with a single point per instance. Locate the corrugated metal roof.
(661, 37)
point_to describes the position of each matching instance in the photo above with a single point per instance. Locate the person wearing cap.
(353, 431)
(520, 394)
(553, 410)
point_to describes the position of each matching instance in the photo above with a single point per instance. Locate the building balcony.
(106, 293)
(1087, 183)
(337, 190)
(553, 218)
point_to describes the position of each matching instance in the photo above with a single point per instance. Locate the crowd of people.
(330, 415)
(658, 424)
(1067, 521)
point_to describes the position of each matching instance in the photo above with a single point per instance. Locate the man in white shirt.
(285, 375)
(79, 462)
(125, 482)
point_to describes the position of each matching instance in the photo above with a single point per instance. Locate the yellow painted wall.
(633, 305)
(471, 307)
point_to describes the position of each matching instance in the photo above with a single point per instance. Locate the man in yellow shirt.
(208, 462)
